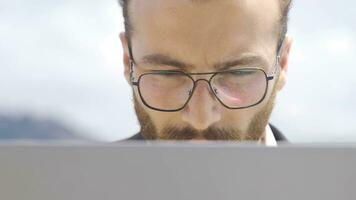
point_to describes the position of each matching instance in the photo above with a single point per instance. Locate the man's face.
(195, 37)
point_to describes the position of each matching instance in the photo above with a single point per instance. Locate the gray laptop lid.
(176, 171)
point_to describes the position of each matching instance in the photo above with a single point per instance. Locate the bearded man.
(205, 69)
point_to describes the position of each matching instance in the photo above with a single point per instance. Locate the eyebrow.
(161, 60)
(164, 60)
(252, 61)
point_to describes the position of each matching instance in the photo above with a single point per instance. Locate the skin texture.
(200, 36)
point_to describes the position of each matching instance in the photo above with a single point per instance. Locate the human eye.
(242, 73)
(167, 77)
(237, 76)
(168, 73)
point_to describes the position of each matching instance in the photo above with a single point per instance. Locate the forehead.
(204, 28)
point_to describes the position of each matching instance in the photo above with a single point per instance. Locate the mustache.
(212, 133)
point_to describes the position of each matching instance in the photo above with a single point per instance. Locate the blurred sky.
(62, 59)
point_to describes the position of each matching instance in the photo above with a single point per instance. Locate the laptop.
(176, 171)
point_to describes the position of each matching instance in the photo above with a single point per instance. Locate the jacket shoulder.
(278, 134)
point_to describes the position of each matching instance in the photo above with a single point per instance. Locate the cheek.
(272, 90)
(163, 119)
(238, 119)
(160, 119)
(281, 81)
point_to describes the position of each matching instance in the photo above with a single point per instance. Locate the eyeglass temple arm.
(278, 59)
(131, 63)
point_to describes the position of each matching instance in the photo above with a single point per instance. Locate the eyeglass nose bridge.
(202, 79)
(196, 83)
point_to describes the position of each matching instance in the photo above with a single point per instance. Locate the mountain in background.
(23, 127)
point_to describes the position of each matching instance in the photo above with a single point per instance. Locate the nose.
(202, 109)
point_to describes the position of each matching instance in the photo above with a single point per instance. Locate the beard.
(255, 130)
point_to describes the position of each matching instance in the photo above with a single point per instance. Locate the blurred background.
(61, 72)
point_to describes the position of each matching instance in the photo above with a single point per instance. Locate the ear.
(126, 57)
(283, 61)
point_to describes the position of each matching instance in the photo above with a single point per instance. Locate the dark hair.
(284, 15)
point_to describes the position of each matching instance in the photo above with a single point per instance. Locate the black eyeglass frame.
(213, 74)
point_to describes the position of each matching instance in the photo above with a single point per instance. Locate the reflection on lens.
(240, 88)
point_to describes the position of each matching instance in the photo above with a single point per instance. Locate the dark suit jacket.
(277, 134)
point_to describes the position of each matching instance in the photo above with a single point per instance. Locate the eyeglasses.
(171, 90)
